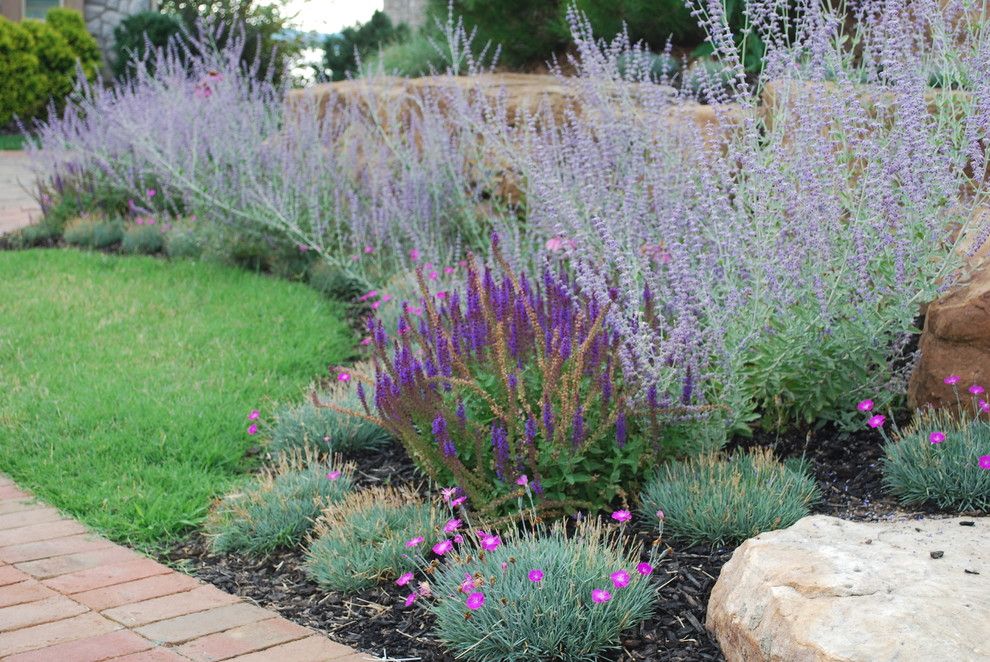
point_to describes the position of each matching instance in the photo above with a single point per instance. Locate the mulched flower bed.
(847, 466)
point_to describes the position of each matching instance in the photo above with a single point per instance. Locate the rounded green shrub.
(72, 27)
(56, 62)
(134, 34)
(336, 283)
(23, 85)
(412, 57)
(937, 461)
(143, 240)
(555, 618)
(325, 429)
(278, 509)
(724, 500)
(652, 21)
(183, 241)
(94, 232)
(362, 540)
(37, 235)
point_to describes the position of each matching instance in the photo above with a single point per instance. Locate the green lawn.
(125, 383)
(10, 141)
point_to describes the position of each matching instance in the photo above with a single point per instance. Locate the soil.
(846, 465)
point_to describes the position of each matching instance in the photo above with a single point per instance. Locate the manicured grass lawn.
(125, 383)
(11, 141)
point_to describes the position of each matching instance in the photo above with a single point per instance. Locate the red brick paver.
(67, 595)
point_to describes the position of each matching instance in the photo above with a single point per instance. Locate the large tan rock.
(955, 341)
(830, 590)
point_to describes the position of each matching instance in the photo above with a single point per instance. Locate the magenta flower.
(368, 295)
(344, 377)
(253, 416)
(366, 340)
(522, 480)
(936, 437)
(976, 389)
(475, 600)
(661, 515)
(458, 501)
(535, 575)
(865, 405)
(877, 421)
(447, 493)
(620, 579)
(151, 192)
(448, 270)
(252, 429)
(386, 298)
(333, 475)
(644, 569)
(414, 541)
(600, 595)
(458, 539)
(376, 305)
(404, 579)
(490, 543)
(414, 255)
(452, 525)
(984, 406)
(622, 516)
(441, 295)
(411, 598)
(952, 379)
(557, 244)
(303, 248)
(985, 462)
(443, 547)
(433, 275)
(368, 250)
(467, 585)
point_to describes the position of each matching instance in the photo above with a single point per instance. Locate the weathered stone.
(830, 590)
(955, 341)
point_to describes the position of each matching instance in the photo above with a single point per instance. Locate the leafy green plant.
(362, 540)
(337, 283)
(326, 429)
(501, 24)
(56, 62)
(23, 83)
(39, 234)
(542, 597)
(653, 21)
(942, 460)
(94, 232)
(342, 50)
(143, 240)
(280, 506)
(415, 56)
(514, 378)
(72, 27)
(183, 240)
(724, 500)
(139, 32)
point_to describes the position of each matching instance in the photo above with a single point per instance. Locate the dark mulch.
(847, 466)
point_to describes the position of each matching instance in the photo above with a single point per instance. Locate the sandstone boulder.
(955, 341)
(830, 590)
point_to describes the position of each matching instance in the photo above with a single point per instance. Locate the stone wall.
(102, 16)
(412, 12)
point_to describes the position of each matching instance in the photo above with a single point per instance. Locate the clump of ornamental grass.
(547, 596)
(94, 232)
(279, 507)
(143, 238)
(183, 239)
(325, 429)
(941, 459)
(512, 377)
(361, 541)
(725, 500)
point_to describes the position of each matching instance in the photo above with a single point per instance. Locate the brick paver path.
(17, 207)
(67, 595)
